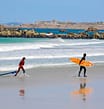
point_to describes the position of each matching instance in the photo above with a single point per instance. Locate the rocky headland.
(16, 31)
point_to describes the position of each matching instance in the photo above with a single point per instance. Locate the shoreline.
(53, 88)
(50, 74)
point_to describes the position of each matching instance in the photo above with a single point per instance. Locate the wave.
(82, 43)
(42, 45)
(15, 47)
(50, 56)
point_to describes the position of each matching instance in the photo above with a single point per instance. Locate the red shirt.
(21, 63)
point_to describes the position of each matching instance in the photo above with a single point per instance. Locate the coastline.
(29, 30)
(55, 74)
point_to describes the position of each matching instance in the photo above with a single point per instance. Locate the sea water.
(45, 51)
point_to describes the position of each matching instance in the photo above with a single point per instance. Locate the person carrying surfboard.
(82, 67)
(20, 66)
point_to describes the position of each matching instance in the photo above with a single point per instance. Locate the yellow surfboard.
(83, 63)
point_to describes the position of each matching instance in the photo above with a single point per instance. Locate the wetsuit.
(82, 67)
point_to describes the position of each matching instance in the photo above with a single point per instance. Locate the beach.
(51, 80)
(53, 87)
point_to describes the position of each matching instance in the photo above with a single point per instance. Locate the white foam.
(50, 56)
(25, 46)
(14, 47)
(23, 75)
(47, 54)
(82, 43)
(60, 39)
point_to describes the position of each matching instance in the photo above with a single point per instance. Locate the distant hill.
(13, 23)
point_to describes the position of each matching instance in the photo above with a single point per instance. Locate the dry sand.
(53, 88)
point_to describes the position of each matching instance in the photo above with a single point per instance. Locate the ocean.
(47, 52)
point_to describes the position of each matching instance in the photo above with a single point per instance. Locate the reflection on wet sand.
(83, 90)
(21, 92)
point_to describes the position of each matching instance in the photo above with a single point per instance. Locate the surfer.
(82, 67)
(20, 66)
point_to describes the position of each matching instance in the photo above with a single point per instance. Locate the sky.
(30, 11)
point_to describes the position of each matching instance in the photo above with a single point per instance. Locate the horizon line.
(68, 21)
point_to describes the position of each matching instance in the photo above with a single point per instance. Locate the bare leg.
(23, 69)
(17, 71)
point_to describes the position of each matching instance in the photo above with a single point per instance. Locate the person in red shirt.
(20, 66)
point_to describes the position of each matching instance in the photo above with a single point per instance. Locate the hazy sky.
(29, 11)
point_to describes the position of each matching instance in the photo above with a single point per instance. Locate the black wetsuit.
(82, 67)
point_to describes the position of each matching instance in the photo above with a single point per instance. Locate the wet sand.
(54, 87)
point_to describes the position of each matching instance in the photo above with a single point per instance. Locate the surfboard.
(83, 63)
(2, 74)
